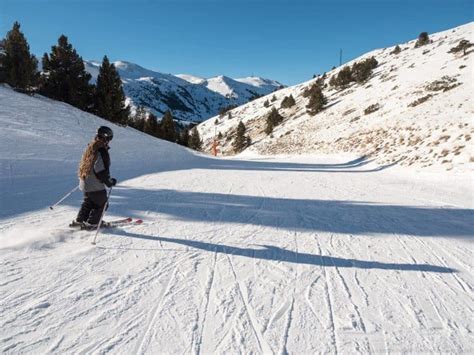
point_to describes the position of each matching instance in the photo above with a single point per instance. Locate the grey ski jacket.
(99, 175)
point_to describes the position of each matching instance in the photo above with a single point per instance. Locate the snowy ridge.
(294, 254)
(190, 98)
(404, 129)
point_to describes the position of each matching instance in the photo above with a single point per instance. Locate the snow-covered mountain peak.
(191, 78)
(258, 81)
(133, 71)
(189, 97)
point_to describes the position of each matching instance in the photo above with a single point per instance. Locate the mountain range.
(190, 98)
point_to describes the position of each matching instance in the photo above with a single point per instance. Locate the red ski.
(109, 224)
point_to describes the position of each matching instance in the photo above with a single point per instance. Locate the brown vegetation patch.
(420, 100)
(348, 112)
(372, 109)
(444, 84)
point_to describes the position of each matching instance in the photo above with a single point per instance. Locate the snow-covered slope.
(404, 129)
(42, 141)
(189, 98)
(294, 255)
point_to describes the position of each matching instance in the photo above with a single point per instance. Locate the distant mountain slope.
(190, 98)
(422, 102)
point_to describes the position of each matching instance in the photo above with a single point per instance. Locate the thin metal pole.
(102, 216)
(65, 197)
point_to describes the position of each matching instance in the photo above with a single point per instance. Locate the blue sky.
(286, 40)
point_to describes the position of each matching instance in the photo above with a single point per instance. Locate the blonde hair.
(88, 158)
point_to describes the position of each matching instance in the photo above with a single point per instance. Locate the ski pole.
(102, 216)
(65, 197)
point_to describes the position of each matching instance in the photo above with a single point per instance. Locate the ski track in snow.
(138, 307)
(245, 261)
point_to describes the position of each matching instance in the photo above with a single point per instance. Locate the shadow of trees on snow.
(268, 252)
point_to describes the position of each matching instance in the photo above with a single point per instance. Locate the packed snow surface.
(288, 254)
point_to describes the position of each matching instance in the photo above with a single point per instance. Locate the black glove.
(111, 182)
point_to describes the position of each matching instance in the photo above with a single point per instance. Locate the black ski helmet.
(105, 132)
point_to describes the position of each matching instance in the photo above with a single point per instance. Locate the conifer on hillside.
(168, 128)
(19, 67)
(109, 98)
(65, 78)
(362, 70)
(288, 101)
(241, 140)
(151, 126)
(269, 125)
(423, 39)
(317, 100)
(3, 75)
(396, 50)
(273, 119)
(183, 138)
(138, 120)
(342, 79)
(195, 141)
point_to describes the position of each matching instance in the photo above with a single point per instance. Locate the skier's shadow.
(270, 252)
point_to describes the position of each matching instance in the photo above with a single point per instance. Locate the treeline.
(64, 78)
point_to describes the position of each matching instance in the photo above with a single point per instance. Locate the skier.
(94, 175)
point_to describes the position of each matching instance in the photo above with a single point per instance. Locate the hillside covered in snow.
(191, 99)
(416, 109)
(289, 255)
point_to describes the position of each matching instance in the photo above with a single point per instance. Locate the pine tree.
(241, 140)
(184, 137)
(288, 101)
(273, 119)
(3, 74)
(362, 70)
(396, 50)
(65, 78)
(167, 127)
(18, 65)
(276, 117)
(151, 126)
(138, 120)
(423, 39)
(317, 100)
(109, 97)
(195, 141)
(269, 125)
(343, 78)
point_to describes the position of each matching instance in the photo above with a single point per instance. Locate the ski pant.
(92, 207)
